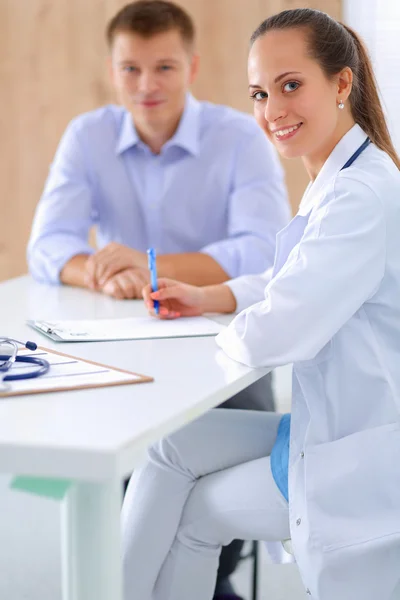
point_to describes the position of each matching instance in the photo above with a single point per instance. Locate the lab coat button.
(298, 522)
(302, 454)
(308, 592)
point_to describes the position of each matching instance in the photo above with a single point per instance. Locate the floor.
(30, 539)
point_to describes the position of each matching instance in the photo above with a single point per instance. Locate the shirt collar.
(341, 153)
(186, 136)
(128, 135)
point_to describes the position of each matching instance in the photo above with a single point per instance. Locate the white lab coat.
(332, 307)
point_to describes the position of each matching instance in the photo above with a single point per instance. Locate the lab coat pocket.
(353, 488)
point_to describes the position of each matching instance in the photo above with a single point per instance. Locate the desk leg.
(91, 550)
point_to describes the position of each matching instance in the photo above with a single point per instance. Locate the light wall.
(378, 23)
(52, 67)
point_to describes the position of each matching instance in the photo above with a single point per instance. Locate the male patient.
(198, 182)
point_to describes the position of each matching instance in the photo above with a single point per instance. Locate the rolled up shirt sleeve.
(65, 212)
(258, 209)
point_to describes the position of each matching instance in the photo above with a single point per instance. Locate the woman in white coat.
(330, 306)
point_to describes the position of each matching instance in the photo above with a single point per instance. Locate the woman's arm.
(178, 299)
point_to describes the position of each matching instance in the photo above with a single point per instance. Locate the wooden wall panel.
(52, 67)
(224, 31)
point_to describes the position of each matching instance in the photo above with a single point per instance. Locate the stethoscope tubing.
(42, 364)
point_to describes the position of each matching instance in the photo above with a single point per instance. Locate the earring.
(341, 105)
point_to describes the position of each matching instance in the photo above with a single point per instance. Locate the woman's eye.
(130, 69)
(290, 86)
(165, 67)
(258, 96)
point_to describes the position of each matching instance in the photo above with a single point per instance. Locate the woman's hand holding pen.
(178, 299)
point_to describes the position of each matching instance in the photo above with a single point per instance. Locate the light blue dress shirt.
(216, 187)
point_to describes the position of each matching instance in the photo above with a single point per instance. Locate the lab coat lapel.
(334, 163)
(287, 239)
(291, 235)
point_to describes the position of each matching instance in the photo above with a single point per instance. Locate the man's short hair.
(150, 17)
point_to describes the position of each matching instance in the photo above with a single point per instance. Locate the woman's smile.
(285, 133)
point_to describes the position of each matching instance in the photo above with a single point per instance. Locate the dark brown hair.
(149, 17)
(336, 46)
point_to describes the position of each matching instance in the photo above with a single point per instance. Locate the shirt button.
(308, 592)
(298, 522)
(302, 454)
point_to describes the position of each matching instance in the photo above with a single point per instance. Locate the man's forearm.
(73, 272)
(191, 267)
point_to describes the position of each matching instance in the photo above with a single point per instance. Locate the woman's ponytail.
(365, 102)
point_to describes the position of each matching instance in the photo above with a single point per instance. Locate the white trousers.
(201, 487)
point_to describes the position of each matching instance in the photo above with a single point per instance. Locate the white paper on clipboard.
(135, 328)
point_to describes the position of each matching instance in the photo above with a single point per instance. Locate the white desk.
(97, 437)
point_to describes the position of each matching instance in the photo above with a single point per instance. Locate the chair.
(253, 554)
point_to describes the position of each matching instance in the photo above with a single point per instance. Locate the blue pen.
(151, 254)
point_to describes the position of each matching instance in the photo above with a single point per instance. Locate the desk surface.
(102, 433)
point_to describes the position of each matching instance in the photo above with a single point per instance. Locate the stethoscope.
(7, 361)
(356, 154)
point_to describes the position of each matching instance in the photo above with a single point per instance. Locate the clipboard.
(132, 328)
(70, 375)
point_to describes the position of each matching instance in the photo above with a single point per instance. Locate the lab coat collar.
(341, 153)
(186, 136)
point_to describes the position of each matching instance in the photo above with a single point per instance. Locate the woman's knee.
(174, 451)
(182, 448)
(165, 453)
